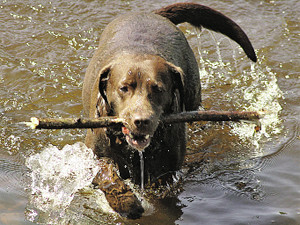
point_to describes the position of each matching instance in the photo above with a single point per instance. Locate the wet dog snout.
(140, 122)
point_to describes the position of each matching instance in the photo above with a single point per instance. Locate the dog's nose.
(139, 122)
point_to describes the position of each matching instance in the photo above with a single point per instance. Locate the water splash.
(262, 94)
(234, 151)
(56, 175)
(61, 191)
(244, 86)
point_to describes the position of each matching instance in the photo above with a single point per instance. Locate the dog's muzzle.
(137, 141)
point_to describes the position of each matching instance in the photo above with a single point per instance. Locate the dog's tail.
(199, 15)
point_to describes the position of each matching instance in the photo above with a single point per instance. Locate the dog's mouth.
(137, 141)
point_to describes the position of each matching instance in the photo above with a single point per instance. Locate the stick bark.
(192, 116)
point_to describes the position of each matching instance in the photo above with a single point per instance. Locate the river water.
(236, 175)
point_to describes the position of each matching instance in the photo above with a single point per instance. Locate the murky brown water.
(246, 178)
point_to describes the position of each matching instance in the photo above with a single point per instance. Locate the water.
(56, 175)
(60, 180)
(142, 169)
(235, 175)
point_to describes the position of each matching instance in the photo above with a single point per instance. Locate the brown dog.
(144, 69)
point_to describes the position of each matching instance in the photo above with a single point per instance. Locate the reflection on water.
(233, 175)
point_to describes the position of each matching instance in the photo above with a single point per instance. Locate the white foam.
(262, 94)
(253, 87)
(58, 174)
(61, 187)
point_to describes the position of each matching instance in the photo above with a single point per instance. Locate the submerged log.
(192, 116)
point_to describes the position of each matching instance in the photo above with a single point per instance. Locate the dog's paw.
(125, 203)
(119, 195)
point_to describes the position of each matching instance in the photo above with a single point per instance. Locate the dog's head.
(140, 89)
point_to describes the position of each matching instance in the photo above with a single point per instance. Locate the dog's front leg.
(119, 196)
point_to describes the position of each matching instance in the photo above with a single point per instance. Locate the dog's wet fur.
(142, 70)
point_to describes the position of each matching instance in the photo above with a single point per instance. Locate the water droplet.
(142, 169)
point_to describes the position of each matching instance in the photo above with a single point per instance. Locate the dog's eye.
(157, 89)
(124, 89)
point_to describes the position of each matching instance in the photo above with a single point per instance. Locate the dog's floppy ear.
(103, 78)
(178, 80)
(102, 105)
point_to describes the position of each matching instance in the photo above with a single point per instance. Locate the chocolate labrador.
(142, 70)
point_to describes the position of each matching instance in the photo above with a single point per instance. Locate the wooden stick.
(212, 115)
(71, 123)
